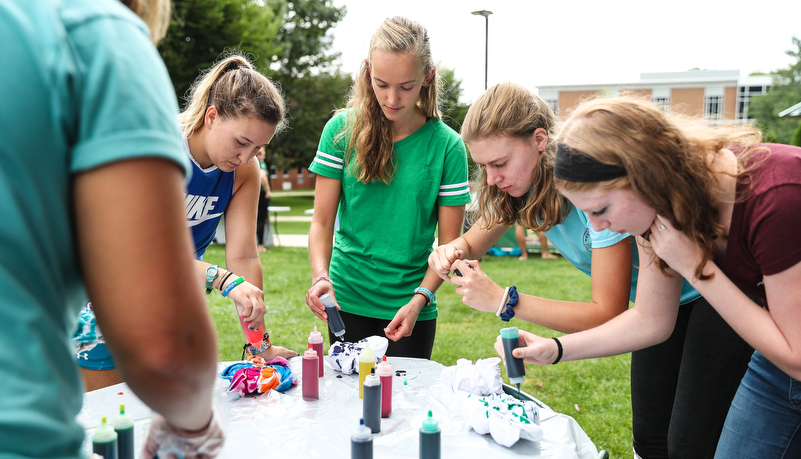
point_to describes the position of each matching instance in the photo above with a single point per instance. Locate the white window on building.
(663, 103)
(273, 172)
(713, 108)
(554, 104)
(300, 176)
(744, 94)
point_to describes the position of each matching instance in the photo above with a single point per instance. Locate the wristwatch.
(211, 274)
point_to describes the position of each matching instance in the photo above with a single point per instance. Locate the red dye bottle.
(316, 342)
(310, 382)
(384, 372)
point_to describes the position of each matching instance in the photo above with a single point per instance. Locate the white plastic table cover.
(278, 424)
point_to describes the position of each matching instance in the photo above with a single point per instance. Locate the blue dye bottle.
(361, 442)
(430, 446)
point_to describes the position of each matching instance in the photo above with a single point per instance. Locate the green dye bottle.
(104, 441)
(124, 426)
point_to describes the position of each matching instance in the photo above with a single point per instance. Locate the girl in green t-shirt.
(394, 175)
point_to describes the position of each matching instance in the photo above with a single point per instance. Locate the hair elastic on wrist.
(559, 354)
(575, 166)
(225, 279)
(503, 301)
(507, 315)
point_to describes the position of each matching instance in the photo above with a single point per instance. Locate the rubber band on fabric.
(559, 354)
(507, 315)
(503, 301)
(232, 285)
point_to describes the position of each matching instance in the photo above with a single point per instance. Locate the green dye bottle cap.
(121, 419)
(430, 424)
(104, 432)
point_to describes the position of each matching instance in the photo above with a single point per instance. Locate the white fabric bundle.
(344, 356)
(483, 378)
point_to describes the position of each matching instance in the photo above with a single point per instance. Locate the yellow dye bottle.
(366, 362)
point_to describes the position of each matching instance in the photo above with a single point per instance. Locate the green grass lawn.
(598, 387)
(298, 204)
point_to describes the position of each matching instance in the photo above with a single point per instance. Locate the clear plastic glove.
(169, 442)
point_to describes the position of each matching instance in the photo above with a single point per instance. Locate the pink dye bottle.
(254, 336)
(310, 382)
(384, 372)
(316, 342)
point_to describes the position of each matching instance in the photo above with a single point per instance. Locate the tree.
(785, 92)
(202, 31)
(451, 91)
(310, 77)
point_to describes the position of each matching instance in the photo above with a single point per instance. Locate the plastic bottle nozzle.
(430, 424)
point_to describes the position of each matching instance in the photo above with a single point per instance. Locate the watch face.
(211, 271)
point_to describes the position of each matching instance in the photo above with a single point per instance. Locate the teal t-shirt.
(386, 232)
(575, 239)
(81, 86)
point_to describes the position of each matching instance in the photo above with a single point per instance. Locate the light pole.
(486, 14)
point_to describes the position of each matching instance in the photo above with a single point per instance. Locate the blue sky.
(582, 41)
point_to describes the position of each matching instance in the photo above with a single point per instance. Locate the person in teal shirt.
(92, 198)
(679, 397)
(394, 175)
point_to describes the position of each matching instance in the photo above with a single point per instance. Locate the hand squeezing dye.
(334, 319)
(515, 369)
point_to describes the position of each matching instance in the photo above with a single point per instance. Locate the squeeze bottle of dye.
(254, 336)
(311, 381)
(334, 319)
(316, 341)
(371, 407)
(515, 369)
(366, 363)
(124, 426)
(104, 441)
(430, 447)
(384, 372)
(361, 442)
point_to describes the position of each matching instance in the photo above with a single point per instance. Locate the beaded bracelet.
(513, 298)
(232, 285)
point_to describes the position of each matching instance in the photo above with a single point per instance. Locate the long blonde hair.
(236, 89)
(369, 131)
(511, 110)
(670, 162)
(155, 13)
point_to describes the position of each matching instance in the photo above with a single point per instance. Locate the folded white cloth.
(483, 378)
(503, 416)
(344, 356)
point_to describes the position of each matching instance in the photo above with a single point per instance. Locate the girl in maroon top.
(714, 206)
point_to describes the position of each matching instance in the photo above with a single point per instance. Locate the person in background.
(520, 237)
(396, 176)
(711, 205)
(511, 135)
(92, 201)
(264, 200)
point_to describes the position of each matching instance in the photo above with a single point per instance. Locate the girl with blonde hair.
(392, 173)
(713, 206)
(511, 133)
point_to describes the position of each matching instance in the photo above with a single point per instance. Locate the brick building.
(718, 96)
